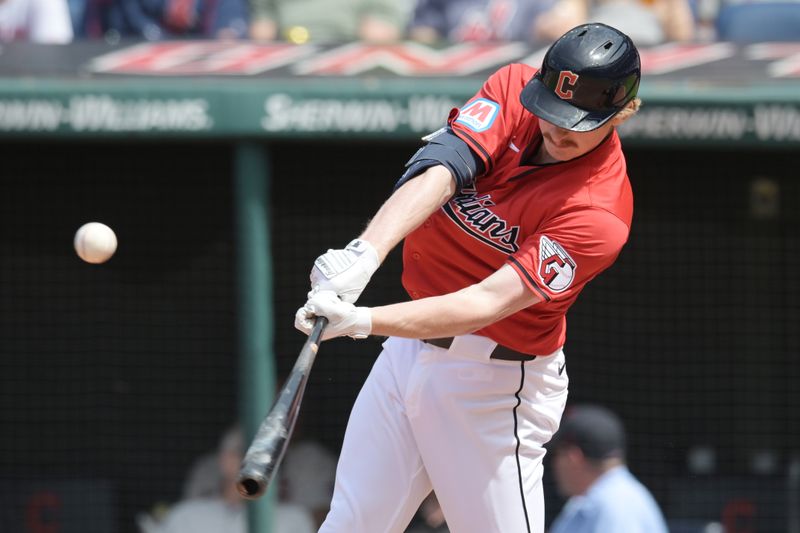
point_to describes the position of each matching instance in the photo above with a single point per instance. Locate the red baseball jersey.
(558, 225)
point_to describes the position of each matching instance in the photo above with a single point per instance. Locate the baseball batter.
(507, 213)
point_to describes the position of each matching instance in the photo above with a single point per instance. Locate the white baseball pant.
(453, 420)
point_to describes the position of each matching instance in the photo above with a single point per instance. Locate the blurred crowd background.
(648, 22)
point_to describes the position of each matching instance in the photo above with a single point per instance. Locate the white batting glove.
(345, 272)
(344, 318)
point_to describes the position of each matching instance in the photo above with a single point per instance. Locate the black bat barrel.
(269, 445)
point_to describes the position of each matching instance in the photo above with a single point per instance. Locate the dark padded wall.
(113, 378)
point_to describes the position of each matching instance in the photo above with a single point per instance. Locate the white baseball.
(95, 242)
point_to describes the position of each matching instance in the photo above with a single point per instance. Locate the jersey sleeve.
(557, 261)
(487, 120)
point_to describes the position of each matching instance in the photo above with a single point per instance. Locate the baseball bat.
(269, 444)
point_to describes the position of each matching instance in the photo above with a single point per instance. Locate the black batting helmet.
(588, 75)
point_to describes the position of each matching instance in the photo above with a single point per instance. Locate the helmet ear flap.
(623, 94)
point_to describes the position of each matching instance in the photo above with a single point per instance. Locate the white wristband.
(363, 323)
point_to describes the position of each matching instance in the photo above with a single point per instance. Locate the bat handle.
(316, 332)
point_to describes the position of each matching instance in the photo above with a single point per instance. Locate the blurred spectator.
(161, 19)
(754, 21)
(77, 14)
(307, 475)
(215, 504)
(589, 468)
(476, 20)
(204, 479)
(38, 21)
(329, 20)
(646, 22)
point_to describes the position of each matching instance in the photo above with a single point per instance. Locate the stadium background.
(115, 378)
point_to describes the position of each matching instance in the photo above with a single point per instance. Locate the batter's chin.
(558, 153)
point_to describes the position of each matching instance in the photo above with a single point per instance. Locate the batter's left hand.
(346, 272)
(343, 318)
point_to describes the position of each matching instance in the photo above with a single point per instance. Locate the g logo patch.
(556, 267)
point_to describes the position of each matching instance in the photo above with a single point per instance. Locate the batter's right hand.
(345, 272)
(343, 318)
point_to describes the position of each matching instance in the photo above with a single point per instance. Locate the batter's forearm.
(464, 311)
(430, 318)
(409, 207)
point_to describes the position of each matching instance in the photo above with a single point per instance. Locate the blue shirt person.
(589, 468)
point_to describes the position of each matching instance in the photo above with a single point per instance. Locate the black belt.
(500, 352)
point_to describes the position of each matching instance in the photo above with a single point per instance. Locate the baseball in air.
(95, 242)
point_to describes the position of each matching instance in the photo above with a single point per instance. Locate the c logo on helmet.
(566, 83)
